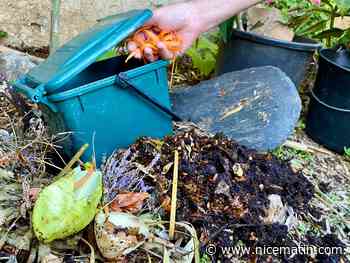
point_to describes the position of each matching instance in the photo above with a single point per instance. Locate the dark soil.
(223, 191)
(41, 52)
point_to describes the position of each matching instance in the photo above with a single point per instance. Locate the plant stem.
(331, 26)
(75, 158)
(55, 25)
(239, 21)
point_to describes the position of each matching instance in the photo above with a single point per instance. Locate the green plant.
(225, 29)
(204, 54)
(347, 151)
(109, 54)
(3, 34)
(205, 259)
(301, 125)
(316, 19)
(285, 154)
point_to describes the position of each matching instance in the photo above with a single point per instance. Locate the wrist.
(210, 13)
(197, 21)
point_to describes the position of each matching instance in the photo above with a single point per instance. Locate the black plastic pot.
(328, 121)
(246, 50)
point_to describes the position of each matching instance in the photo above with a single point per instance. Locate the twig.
(75, 158)
(305, 148)
(172, 73)
(174, 196)
(4, 237)
(92, 253)
(41, 161)
(152, 253)
(58, 154)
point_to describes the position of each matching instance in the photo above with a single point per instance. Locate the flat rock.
(14, 64)
(258, 107)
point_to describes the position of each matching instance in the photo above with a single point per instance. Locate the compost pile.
(226, 191)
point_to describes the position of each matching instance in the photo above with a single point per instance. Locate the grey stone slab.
(258, 107)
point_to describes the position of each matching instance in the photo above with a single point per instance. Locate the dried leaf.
(33, 193)
(166, 203)
(156, 144)
(167, 167)
(129, 202)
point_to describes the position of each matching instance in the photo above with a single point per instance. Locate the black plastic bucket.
(328, 121)
(246, 50)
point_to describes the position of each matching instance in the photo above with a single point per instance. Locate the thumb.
(151, 22)
(188, 38)
(154, 20)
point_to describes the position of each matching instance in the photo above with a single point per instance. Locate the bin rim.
(329, 60)
(99, 84)
(300, 46)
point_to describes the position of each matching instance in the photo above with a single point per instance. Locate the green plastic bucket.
(89, 101)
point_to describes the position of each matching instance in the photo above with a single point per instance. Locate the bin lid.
(83, 50)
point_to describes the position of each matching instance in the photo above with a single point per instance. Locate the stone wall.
(28, 21)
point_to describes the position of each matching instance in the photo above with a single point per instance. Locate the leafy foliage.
(109, 54)
(316, 19)
(3, 34)
(286, 154)
(347, 151)
(204, 54)
(344, 40)
(225, 29)
(343, 5)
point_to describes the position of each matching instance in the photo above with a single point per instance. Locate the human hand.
(179, 18)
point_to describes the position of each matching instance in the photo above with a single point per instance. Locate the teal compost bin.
(90, 100)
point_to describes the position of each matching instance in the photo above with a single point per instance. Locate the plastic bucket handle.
(126, 82)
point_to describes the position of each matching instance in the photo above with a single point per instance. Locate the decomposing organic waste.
(162, 200)
(68, 205)
(120, 234)
(230, 194)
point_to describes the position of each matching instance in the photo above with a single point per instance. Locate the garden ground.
(26, 165)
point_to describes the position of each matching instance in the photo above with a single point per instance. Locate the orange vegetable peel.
(150, 37)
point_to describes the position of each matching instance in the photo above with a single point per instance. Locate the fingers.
(164, 52)
(148, 53)
(133, 49)
(152, 45)
(188, 38)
